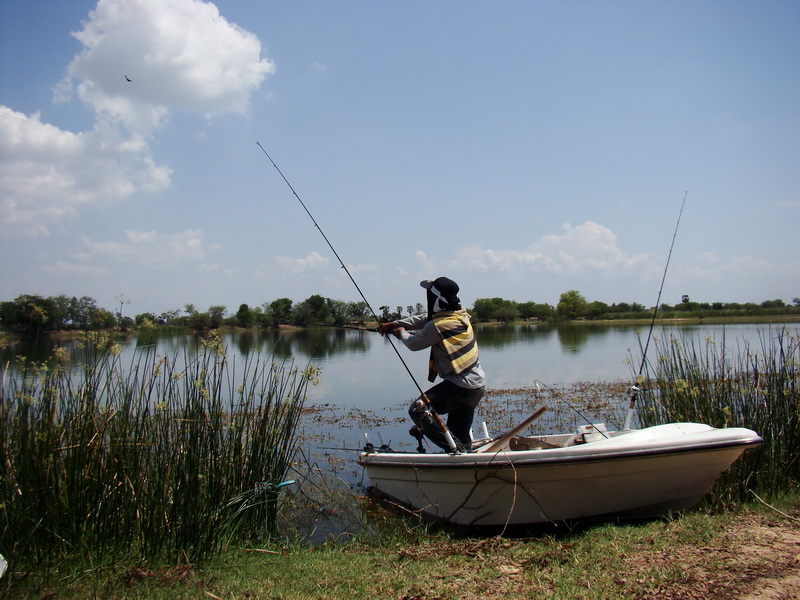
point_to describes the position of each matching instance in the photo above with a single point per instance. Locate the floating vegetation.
(569, 405)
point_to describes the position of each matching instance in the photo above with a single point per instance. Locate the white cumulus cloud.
(578, 249)
(296, 266)
(151, 248)
(47, 174)
(178, 55)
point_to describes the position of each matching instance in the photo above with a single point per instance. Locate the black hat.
(442, 295)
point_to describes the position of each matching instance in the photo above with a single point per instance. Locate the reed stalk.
(160, 457)
(734, 385)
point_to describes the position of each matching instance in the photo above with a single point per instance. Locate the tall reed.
(162, 457)
(734, 385)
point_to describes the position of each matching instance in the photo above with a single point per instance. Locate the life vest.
(458, 340)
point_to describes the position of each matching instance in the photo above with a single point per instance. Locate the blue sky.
(521, 148)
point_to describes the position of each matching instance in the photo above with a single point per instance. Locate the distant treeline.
(35, 314)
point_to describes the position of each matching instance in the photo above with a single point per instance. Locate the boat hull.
(644, 473)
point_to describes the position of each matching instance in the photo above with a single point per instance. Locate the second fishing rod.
(635, 388)
(434, 415)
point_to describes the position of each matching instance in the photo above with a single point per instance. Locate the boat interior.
(582, 435)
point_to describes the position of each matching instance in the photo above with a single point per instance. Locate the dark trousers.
(457, 403)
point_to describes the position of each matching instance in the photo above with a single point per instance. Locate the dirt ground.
(756, 558)
(762, 562)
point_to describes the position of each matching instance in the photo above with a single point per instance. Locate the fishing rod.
(635, 388)
(429, 408)
(346, 326)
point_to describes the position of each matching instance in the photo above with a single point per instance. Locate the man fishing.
(447, 331)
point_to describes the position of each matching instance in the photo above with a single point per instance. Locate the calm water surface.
(360, 369)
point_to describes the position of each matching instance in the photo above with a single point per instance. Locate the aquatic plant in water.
(151, 457)
(734, 385)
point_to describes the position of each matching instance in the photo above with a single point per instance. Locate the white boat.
(593, 473)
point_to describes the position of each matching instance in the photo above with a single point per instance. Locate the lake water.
(362, 371)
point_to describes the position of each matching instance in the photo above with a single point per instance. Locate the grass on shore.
(699, 554)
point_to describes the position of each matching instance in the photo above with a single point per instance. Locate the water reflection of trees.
(574, 337)
(495, 336)
(320, 343)
(571, 337)
(312, 343)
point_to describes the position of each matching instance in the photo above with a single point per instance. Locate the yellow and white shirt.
(454, 351)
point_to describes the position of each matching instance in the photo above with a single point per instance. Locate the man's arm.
(423, 338)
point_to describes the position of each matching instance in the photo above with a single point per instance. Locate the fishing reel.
(370, 447)
(424, 412)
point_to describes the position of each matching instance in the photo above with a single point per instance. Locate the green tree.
(596, 309)
(571, 305)
(147, 319)
(314, 309)
(507, 310)
(527, 310)
(337, 312)
(33, 313)
(216, 315)
(621, 307)
(487, 309)
(357, 311)
(773, 304)
(61, 317)
(279, 312)
(103, 319)
(169, 317)
(198, 321)
(536, 310)
(244, 316)
(55, 312)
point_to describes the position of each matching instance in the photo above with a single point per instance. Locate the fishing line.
(553, 392)
(425, 399)
(635, 387)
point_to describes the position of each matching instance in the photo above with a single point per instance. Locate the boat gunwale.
(534, 458)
